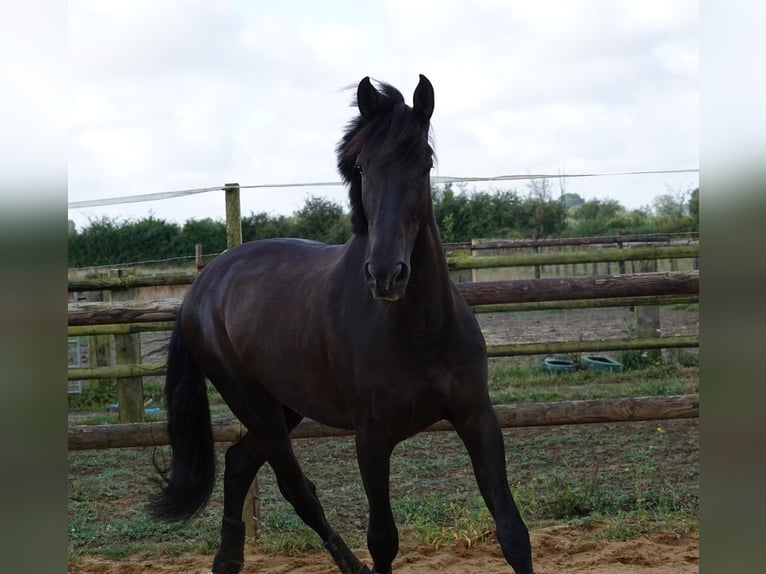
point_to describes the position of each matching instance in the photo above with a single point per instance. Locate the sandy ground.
(557, 549)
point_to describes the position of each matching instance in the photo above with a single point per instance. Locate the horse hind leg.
(274, 442)
(481, 434)
(333, 543)
(243, 461)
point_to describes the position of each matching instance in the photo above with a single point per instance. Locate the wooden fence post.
(536, 249)
(474, 277)
(130, 391)
(99, 352)
(648, 316)
(127, 350)
(198, 262)
(233, 215)
(251, 510)
(621, 264)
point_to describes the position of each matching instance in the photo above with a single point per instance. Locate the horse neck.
(430, 289)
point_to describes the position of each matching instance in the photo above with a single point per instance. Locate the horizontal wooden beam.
(512, 350)
(128, 281)
(87, 437)
(106, 313)
(570, 288)
(559, 242)
(481, 293)
(119, 328)
(556, 347)
(117, 372)
(587, 303)
(569, 257)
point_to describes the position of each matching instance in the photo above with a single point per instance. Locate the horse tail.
(187, 483)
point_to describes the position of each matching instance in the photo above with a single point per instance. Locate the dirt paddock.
(557, 549)
(563, 549)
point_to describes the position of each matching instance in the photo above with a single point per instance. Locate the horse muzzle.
(387, 282)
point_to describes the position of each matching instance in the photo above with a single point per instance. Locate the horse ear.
(423, 100)
(367, 98)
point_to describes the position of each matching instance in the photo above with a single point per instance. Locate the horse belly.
(305, 387)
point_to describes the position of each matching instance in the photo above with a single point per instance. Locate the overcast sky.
(173, 95)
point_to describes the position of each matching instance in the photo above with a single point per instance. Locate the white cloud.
(175, 95)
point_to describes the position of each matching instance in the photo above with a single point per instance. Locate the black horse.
(371, 335)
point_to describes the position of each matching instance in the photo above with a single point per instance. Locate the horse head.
(386, 158)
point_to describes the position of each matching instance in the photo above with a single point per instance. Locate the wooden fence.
(550, 413)
(125, 319)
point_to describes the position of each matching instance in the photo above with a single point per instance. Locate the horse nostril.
(393, 278)
(368, 275)
(401, 273)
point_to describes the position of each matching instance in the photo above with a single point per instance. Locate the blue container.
(558, 364)
(600, 363)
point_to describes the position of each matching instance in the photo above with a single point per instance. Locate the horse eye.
(359, 169)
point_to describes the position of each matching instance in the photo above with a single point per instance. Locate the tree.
(540, 189)
(94, 245)
(598, 217)
(263, 226)
(673, 211)
(322, 220)
(571, 200)
(545, 218)
(669, 206)
(462, 217)
(207, 232)
(694, 208)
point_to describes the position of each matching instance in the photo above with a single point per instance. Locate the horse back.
(257, 320)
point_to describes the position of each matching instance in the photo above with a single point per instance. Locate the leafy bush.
(461, 216)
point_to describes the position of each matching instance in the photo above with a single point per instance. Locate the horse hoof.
(226, 566)
(364, 570)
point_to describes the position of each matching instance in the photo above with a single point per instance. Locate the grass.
(628, 478)
(511, 382)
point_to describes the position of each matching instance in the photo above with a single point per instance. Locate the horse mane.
(396, 133)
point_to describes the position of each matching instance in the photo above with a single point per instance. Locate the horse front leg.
(481, 434)
(374, 456)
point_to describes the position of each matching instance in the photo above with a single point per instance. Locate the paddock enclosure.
(643, 291)
(637, 277)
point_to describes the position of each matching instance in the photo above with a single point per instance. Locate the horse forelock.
(396, 135)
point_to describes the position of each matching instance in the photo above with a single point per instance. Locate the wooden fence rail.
(509, 350)
(142, 327)
(128, 281)
(481, 244)
(565, 258)
(126, 317)
(571, 288)
(85, 437)
(481, 293)
(587, 303)
(560, 347)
